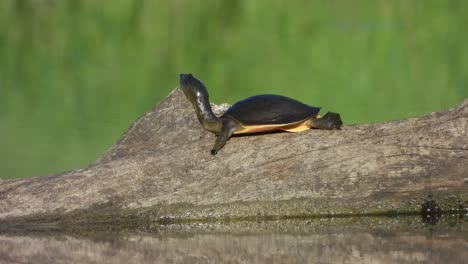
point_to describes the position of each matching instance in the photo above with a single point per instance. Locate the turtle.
(255, 114)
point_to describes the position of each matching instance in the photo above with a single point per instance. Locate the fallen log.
(161, 170)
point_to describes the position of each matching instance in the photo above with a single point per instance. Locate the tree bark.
(161, 170)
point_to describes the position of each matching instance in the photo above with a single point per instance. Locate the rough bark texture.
(161, 169)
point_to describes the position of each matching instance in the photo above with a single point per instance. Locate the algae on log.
(161, 168)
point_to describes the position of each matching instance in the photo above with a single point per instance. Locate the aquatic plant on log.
(161, 171)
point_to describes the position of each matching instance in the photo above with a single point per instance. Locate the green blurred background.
(75, 74)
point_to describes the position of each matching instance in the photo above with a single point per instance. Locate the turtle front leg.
(228, 127)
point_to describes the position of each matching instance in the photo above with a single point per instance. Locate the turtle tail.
(329, 121)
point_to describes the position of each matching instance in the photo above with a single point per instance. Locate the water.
(345, 240)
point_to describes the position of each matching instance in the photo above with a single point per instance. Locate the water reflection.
(292, 241)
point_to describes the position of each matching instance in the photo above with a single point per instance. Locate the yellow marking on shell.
(258, 129)
(294, 127)
(299, 128)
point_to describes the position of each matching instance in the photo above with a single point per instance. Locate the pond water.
(331, 240)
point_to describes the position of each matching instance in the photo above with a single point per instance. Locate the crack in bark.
(437, 147)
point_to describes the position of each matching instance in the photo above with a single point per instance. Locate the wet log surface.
(161, 170)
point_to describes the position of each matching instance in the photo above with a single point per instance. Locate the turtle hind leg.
(229, 126)
(329, 121)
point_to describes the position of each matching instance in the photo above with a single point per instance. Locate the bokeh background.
(74, 74)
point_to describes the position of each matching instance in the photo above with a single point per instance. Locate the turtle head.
(197, 94)
(193, 89)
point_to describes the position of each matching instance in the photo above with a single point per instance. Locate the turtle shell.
(270, 109)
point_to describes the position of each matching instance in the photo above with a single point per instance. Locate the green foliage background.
(74, 74)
